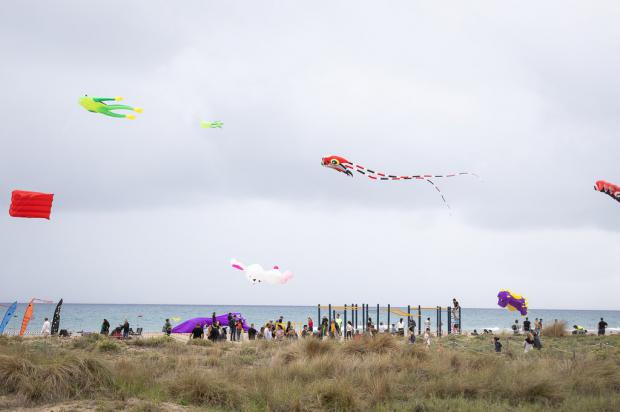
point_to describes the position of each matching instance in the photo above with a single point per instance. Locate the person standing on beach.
(526, 325)
(400, 327)
(105, 327)
(213, 318)
(456, 315)
(427, 324)
(267, 332)
(252, 332)
(167, 329)
(324, 329)
(515, 327)
(537, 342)
(310, 325)
(338, 324)
(498, 344)
(125, 329)
(349, 331)
(197, 332)
(45, 330)
(602, 325)
(536, 326)
(231, 326)
(528, 343)
(239, 328)
(427, 337)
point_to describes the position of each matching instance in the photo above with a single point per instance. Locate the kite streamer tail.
(440, 194)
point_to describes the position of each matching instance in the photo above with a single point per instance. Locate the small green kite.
(211, 125)
(97, 105)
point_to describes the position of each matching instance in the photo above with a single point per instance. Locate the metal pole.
(408, 318)
(318, 320)
(344, 332)
(377, 322)
(449, 320)
(362, 323)
(388, 320)
(460, 321)
(329, 323)
(419, 320)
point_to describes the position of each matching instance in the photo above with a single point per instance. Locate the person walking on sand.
(427, 324)
(536, 326)
(105, 327)
(310, 325)
(45, 330)
(126, 329)
(167, 329)
(602, 325)
(497, 343)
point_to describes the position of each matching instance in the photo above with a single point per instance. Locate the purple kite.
(511, 301)
(189, 325)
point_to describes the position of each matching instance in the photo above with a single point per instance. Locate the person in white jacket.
(45, 330)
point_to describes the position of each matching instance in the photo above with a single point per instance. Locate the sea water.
(88, 317)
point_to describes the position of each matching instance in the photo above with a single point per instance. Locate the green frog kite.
(97, 105)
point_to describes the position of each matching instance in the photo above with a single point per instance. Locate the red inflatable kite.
(608, 188)
(31, 204)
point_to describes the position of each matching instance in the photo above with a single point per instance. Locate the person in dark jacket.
(125, 329)
(167, 329)
(602, 325)
(498, 344)
(198, 332)
(252, 332)
(105, 327)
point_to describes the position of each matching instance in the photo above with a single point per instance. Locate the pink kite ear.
(276, 267)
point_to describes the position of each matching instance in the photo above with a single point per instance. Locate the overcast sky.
(151, 211)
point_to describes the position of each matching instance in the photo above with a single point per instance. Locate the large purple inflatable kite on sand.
(189, 325)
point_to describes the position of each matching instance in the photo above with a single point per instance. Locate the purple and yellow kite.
(507, 299)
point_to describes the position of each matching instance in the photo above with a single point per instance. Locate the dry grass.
(381, 373)
(555, 330)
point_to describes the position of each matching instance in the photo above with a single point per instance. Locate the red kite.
(31, 204)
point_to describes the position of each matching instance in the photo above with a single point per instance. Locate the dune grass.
(381, 373)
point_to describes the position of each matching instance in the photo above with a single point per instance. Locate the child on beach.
(310, 324)
(349, 332)
(528, 343)
(498, 344)
(515, 327)
(427, 324)
(45, 330)
(427, 337)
